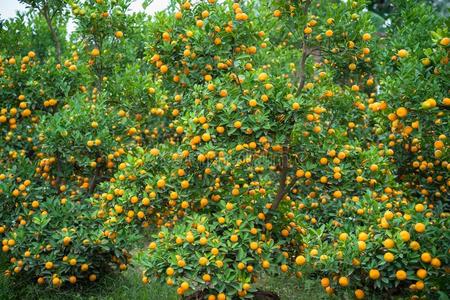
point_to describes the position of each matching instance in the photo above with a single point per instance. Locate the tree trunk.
(53, 32)
(283, 176)
(305, 54)
(264, 295)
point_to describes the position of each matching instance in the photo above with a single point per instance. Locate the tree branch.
(45, 13)
(282, 184)
(305, 54)
(93, 181)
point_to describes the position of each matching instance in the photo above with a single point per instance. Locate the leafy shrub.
(87, 135)
(216, 254)
(306, 144)
(58, 241)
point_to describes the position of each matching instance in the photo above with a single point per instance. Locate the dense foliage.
(243, 138)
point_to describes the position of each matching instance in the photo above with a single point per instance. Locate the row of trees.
(247, 137)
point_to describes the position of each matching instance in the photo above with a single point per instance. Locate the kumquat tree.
(225, 150)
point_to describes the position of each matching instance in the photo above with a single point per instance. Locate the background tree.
(53, 12)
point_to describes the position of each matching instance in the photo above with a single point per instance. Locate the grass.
(290, 288)
(128, 285)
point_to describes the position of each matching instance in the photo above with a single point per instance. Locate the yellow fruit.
(426, 257)
(201, 228)
(252, 103)
(359, 294)
(190, 238)
(419, 227)
(400, 275)
(184, 184)
(401, 112)
(445, 41)
(389, 257)
(373, 168)
(154, 152)
(366, 37)
(203, 261)
(56, 281)
(300, 260)
(170, 271)
(325, 282)
(420, 285)
(343, 281)
(421, 273)
(263, 77)
(66, 240)
(438, 145)
(429, 103)
(402, 53)
(389, 243)
(362, 245)
(436, 262)
(206, 137)
(84, 267)
(164, 69)
(363, 236)
(184, 285)
(405, 236)
(221, 296)
(95, 52)
(414, 245)
(48, 265)
(374, 274)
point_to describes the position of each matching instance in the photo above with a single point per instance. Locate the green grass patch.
(127, 285)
